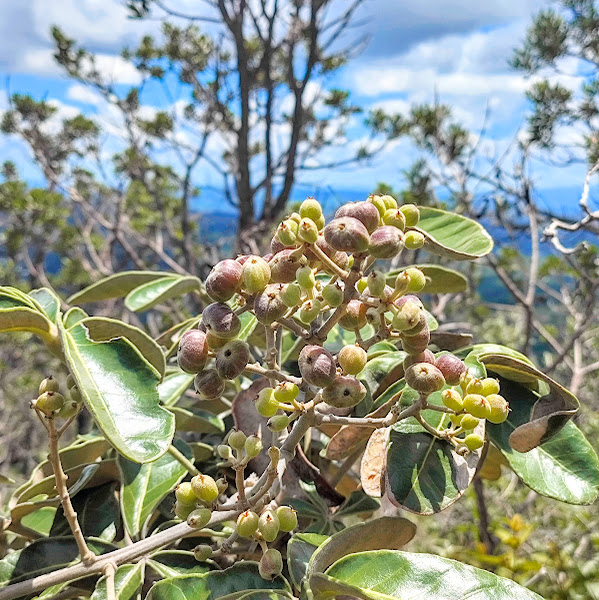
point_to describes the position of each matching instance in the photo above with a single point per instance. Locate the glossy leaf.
(565, 468)
(144, 486)
(173, 386)
(452, 235)
(236, 580)
(150, 294)
(439, 279)
(300, 549)
(128, 580)
(48, 302)
(39, 521)
(174, 563)
(119, 389)
(115, 286)
(196, 419)
(391, 575)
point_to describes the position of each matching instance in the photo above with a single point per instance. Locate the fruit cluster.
(52, 404)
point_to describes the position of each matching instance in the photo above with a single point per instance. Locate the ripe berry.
(266, 403)
(204, 487)
(268, 305)
(253, 446)
(332, 294)
(347, 234)
(224, 280)
(247, 523)
(309, 310)
(49, 402)
(192, 353)
(310, 208)
(290, 294)
(255, 274)
(451, 367)
(352, 359)
(284, 264)
(376, 283)
(411, 213)
(287, 232)
(344, 392)
(395, 218)
(386, 242)
(452, 400)
(271, 564)
(219, 319)
(209, 385)
(184, 494)
(237, 439)
(286, 392)
(202, 552)
(308, 231)
(316, 366)
(49, 384)
(477, 405)
(425, 378)
(365, 212)
(417, 280)
(199, 518)
(355, 316)
(499, 408)
(473, 441)
(413, 240)
(287, 518)
(269, 526)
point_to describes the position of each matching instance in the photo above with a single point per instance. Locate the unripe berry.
(286, 392)
(266, 403)
(209, 385)
(347, 234)
(452, 400)
(214, 342)
(222, 484)
(271, 564)
(352, 359)
(320, 223)
(287, 232)
(182, 511)
(75, 395)
(308, 231)
(415, 344)
(199, 518)
(287, 518)
(247, 523)
(253, 446)
(184, 494)
(220, 320)
(269, 525)
(71, 381)
(204, 487)
(451, 367)
(284, 264)
(278, 423)
(355, 316)
(490, 386)
(49, 384)
(407, 317)
(332, 294)
(268, 305)
(344, 392)
(465, 379)
(389, 201)
(417, 280)
(310, 208)
(477, 405)
(420, 326)
(394, 217)
(413, 240)
(290, 294)
(255, 274)
(411, 214)
(361, 285)
(305, 278)
(295, 216)
(237, 439)
(402, 283)
(316, 366)
(499, 408)
(69, 409)
(309, 310)
(378, 202)
(423, 357)
(224, 452)
(386, 242)
(224, 280)
(425, 378)
(202, 552)
(49, 402)
(475, 386)
(365, 212)
(376, 283)
(468, 422)
(473, 442)
(192, 352)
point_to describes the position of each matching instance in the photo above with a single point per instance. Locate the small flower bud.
(287, 232)
(310, 208)
(475, 386)
(407, 317)
(50, 402)
(490, 386)
(75, 395)
(352, 359)
(237, 439)
(305, 278)
(69, 409)
(271, 564)
(290, 294)
(355, 316)
(286, 391)
(308, 231)
(202, 552)
(394, 217)
(71, 382)
(204, 487)
(473, 442)
(278, 423)
(378, 202)
(389, 201)
(332, 294)
(376, 283)
(287, 518)
(49, 384)
(499, 408)
(253, 446)
(424, 378)
(316, 365)
(222, 484)
(182, 511)
(266, 403)
(274, 454)
(224, 452)
(199, 518)
(255, 274)
(417, 280)
(468, 422)
(247, 524)
(309, 310)
(269, 526)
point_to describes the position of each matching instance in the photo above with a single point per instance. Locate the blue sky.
(457, 48)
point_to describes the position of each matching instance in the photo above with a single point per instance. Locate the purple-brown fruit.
(386, 242)
(192, 353)
(424, 357)
(420, 325)
(347, 234)
(209, 385)
(316, 365)
(232, 359)
(365, 212)
(415, 344)
(451, 367)
(220, 320)
(408, 298)
(284, 264)
(344, 392)
(355, 316)
(224, 280)
(268, 305)
(425, 378)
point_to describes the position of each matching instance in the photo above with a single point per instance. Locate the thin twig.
(183, 460)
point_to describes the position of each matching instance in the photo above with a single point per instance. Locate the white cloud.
(83, 94)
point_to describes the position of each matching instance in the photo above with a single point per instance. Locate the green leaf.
(97, 511)
(237, 580)
(144, 486)
(386, 532)
(248, 324)
(387, 575)
(119, 389)
(40, 520)
(103, 329)
(82, 451)
(115, 286)
(439, 280)
(74, 315)
(378, 374)
(154, 292)
(127, 582)
(565, 468)
(174, 563)
(48, 302)
(197, 420)
(172, 387)
(453, 236)
(43, 556)
(300, 549)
